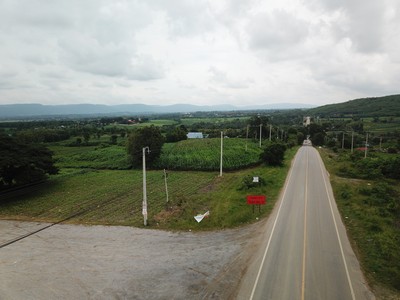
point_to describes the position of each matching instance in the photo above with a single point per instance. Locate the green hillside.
(365, 107)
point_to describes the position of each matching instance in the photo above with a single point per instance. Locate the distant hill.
(365, 107)
(39, 110)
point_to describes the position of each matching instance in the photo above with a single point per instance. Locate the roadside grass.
(373, 228)
(114, 197)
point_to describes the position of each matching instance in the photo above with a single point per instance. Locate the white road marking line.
(273, 229)
(337, 231)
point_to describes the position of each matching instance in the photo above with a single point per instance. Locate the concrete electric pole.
(144, 211)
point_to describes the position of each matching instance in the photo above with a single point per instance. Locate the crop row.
(204, 154)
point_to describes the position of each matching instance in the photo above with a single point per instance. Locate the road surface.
(306, 253)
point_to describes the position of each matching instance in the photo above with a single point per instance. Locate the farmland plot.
(204, 155)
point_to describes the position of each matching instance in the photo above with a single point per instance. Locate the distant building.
(195, 135)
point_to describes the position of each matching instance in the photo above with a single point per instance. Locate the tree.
(300, 138)
(318, 139)
(274, 154)
(86, 136)
(22, 163)
(254, 123)
(149, 136)
(178, 134)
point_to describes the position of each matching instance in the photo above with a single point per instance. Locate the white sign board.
(255, 179)
(200, 217)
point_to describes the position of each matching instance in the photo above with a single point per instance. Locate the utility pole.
(247, 135)
(260, 134)
(270, 131)
(343, 140)
(352, 141)
(222, 147)
(166, 187)
(366, 146)
(144, 211)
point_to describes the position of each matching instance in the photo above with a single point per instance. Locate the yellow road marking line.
(303, 280)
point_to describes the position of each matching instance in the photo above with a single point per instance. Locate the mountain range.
(364, 107)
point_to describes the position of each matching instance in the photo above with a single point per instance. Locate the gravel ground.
(112, 262)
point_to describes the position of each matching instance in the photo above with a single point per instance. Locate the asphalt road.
(306, 253)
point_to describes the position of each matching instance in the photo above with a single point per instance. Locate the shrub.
(248, 183)
(274, 154)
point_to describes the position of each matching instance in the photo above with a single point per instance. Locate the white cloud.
(276, 31)
(198, 51)
(221, 79)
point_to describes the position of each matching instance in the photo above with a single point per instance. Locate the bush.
(274, 154)
(368, 168)
(247, 183)
(391, 167)
(345, 193)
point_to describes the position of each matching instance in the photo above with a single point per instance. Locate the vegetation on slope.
(368, 197)
(366, 107)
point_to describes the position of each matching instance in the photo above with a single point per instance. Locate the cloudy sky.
(198, 51)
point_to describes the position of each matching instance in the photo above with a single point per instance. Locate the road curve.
(305, 251)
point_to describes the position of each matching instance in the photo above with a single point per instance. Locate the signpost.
(256, 200)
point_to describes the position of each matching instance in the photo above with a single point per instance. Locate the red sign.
(256, 199)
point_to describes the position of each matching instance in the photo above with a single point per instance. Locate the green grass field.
(204, 154)
(216, 120)
(115, 197)
(94, 157)
(196, 154)
(155, 122)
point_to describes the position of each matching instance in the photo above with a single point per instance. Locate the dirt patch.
(165, 215)
(112, 262)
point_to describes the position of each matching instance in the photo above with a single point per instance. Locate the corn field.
(204, 154)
